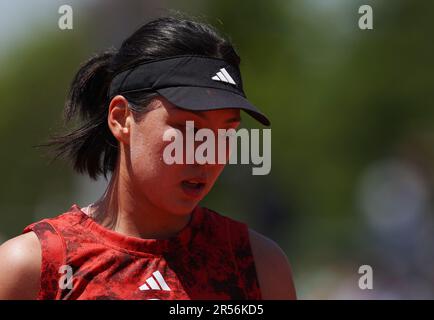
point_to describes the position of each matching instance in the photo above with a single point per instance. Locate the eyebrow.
(234, 119)
(201, 115)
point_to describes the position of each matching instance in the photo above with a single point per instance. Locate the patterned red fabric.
(210, 258)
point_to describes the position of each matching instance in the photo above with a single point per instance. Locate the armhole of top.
(242, 230)
(52, 258)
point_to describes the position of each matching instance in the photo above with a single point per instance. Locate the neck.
(128, 212)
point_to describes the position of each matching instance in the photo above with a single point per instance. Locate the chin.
(183, 208)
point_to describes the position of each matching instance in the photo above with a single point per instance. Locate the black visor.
(194, 83)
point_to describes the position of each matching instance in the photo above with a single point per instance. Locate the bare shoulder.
(273, 268)
(20, 267)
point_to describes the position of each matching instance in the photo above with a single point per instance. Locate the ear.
(120, 119)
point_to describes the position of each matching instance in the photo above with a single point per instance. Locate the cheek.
(148, 168)
(146, 151)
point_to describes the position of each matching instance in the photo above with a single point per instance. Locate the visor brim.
(203, 99)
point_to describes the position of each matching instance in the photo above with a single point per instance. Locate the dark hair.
(91, 147)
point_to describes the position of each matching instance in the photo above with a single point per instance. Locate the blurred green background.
(352, 116)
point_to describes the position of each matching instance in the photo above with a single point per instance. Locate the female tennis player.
(147, 237)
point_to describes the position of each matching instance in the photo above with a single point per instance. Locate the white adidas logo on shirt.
(224, 76)
(156, 283)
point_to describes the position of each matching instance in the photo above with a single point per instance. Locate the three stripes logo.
(223, 76)
(155, 282)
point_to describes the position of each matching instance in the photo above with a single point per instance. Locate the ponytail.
(91, 147)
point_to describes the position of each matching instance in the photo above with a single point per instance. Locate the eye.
(182, 126)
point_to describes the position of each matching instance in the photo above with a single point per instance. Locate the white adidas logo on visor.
(155, 284)
(223, 76)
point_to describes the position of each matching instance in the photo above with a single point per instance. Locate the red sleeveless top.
(210, 258)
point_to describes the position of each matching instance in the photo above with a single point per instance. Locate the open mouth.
(193, 187)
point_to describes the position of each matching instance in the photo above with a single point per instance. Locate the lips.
(193, 187)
